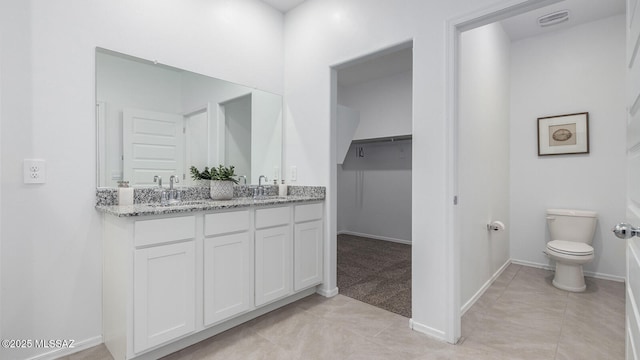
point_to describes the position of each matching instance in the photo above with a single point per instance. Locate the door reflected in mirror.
(154, 119)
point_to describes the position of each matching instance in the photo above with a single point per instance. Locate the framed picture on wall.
(563, 134)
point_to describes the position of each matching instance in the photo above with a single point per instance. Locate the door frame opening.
(455, 28)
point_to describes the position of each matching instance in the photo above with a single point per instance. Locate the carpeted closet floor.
(375, 272)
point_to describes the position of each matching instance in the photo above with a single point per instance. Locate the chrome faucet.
(158, 179)
(172, 195)
(259, 191)
(173, 180)
(244, 179)
(164, 197)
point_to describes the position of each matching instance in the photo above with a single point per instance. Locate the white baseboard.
(78, 346)
(375, 237)
(532, 264)
(484, 288)
(592, 274)
(327, 292)
(427, 330)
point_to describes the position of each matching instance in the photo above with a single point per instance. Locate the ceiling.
(283, 5)
(378, 66)
(525, 25)
(517, 27)
(581, 11)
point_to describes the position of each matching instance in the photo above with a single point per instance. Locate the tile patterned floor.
(521, 316)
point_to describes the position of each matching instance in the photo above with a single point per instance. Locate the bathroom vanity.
(176, 275)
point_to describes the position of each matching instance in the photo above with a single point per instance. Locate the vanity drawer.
(158, 231)
(308, 212)
(272, 217)
(226, 222)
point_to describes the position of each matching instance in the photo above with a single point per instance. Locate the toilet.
(570, 246)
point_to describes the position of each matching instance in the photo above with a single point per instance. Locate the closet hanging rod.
(383, 139)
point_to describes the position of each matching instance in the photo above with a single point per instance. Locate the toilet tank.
(572, 225)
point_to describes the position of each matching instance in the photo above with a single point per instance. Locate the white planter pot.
(221, 190)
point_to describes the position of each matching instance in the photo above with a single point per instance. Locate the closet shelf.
(382, 139)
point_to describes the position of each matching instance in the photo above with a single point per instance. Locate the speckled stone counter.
(146, 200)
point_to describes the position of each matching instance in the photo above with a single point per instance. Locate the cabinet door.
(274, 252)
(164, 294)
(308, 248)
(228, 276)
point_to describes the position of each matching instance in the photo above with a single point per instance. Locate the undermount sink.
(209, 201)
(270, 198)
(181, 203)
(194, 202)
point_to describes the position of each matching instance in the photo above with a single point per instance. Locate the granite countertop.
(201, 205)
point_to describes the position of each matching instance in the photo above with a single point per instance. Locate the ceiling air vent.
(553, 18)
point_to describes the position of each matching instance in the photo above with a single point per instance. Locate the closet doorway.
(374, 160)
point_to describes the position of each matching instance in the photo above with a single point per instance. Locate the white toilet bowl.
(570, 246)
(569, 257)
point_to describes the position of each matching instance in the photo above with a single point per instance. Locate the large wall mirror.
(154, 119)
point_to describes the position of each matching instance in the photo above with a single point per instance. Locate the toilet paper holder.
(496, 226)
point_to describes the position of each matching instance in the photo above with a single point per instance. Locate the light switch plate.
(293, 173)
(35, 171)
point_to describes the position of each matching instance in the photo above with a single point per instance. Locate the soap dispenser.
(125, 193)
(282, 189)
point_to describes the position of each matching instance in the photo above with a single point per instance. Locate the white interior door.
(633, 192)
(153, 144)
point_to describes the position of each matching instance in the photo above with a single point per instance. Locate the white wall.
(483, 164)
(17, 90)
(374, 191)
(2, 40)
(575, 70)
(197, 150)
(237, 114)
(51, 234)
(384, 105)
(323, 33)
(266, 136)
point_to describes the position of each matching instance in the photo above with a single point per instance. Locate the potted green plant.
(222, 180)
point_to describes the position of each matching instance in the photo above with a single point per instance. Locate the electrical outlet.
(35, 171)
(293, 173)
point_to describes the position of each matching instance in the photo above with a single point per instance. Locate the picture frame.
(563, 134)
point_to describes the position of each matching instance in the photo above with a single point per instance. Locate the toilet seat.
(570, 248)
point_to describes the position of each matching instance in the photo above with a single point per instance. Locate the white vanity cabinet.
(171, 280)
(164, 280)
(274, 254)
(308, 245)
(163, 294)
(228, 265)
(149, 282)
